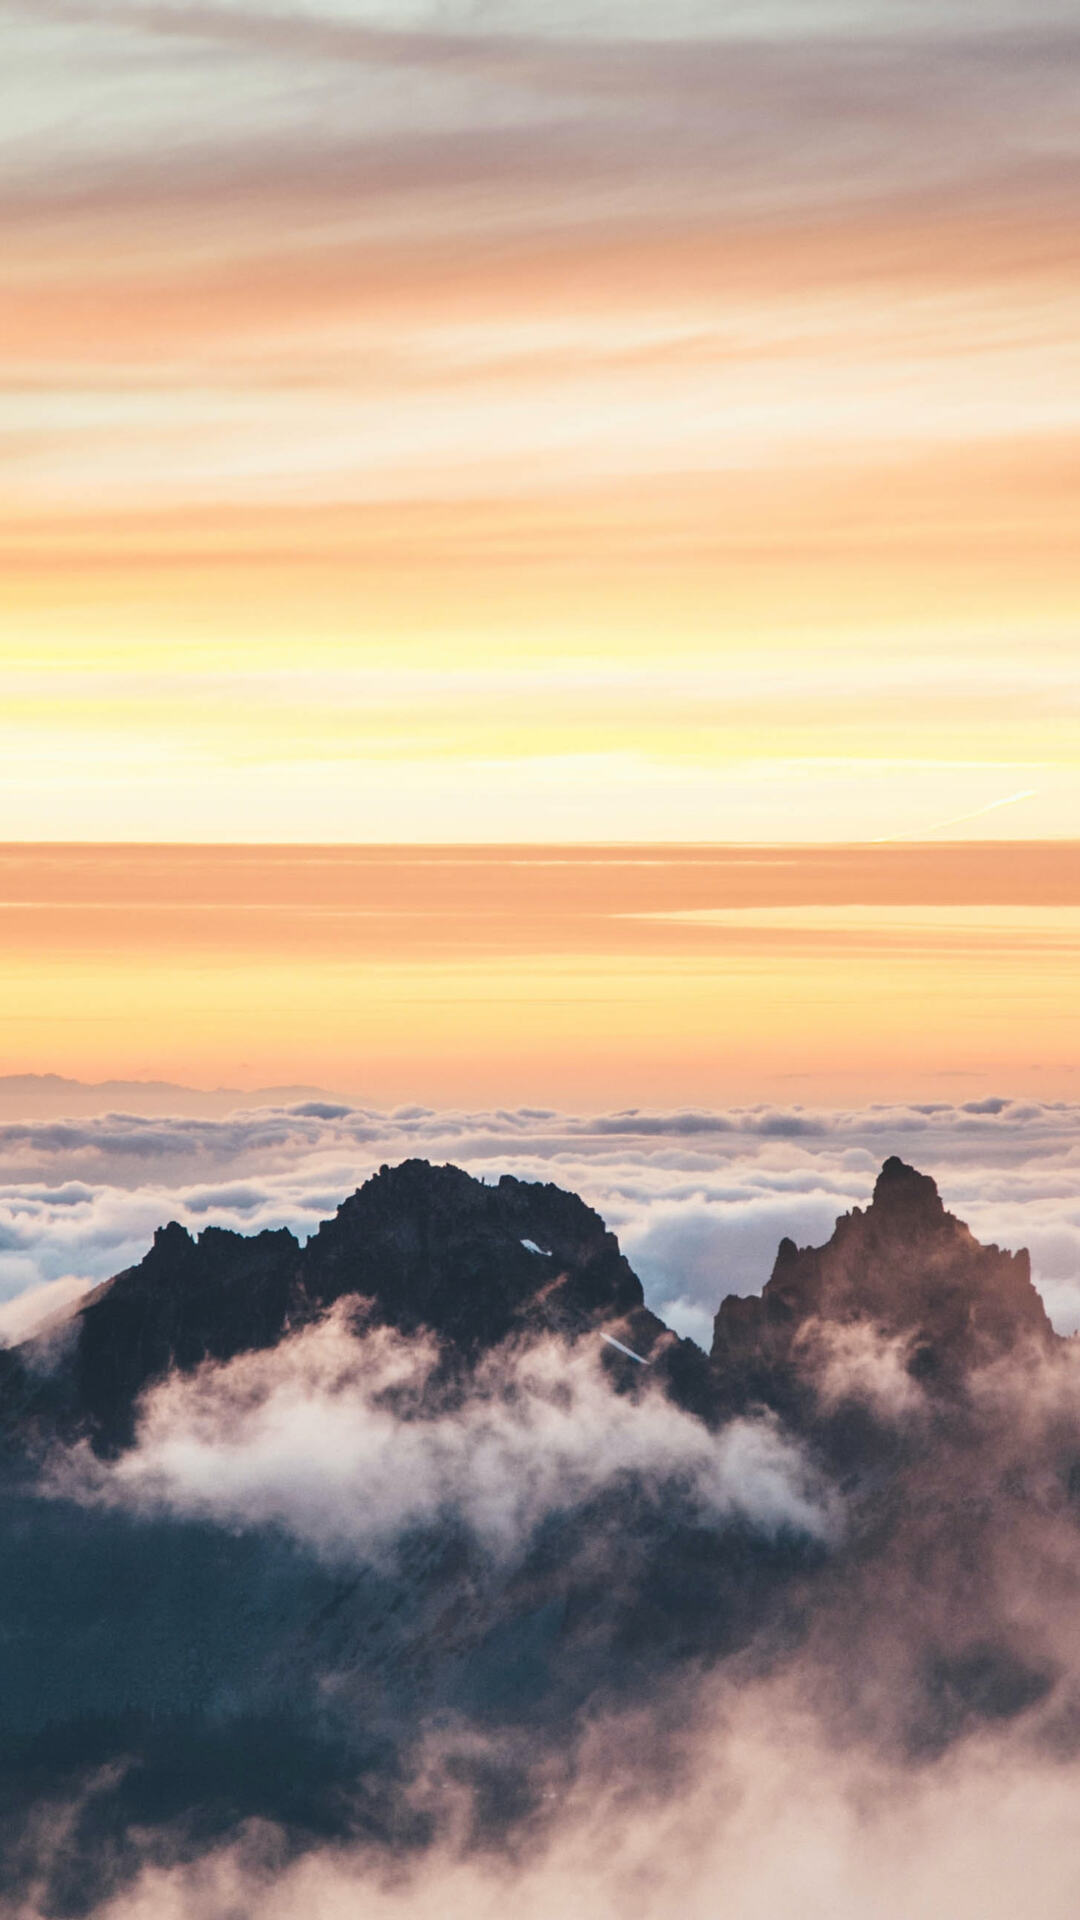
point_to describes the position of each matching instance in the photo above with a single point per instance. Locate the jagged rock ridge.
(430, 1246)
(426, 1246)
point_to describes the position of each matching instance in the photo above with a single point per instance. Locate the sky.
(497, 420)
(574, 977)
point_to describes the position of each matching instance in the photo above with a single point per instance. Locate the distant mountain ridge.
(52, 1096)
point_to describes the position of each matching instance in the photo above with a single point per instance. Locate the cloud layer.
(700, 1199)
(773, 1820)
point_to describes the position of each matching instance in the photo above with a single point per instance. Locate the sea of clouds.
(699, 1199)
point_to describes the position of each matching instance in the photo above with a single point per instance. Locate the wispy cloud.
(552, 267)
(309, 1438)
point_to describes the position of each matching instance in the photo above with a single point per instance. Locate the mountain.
(280, 1517)
(429, 1247)
(904, 1265)
(426, 1247)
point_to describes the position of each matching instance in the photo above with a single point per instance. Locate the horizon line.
(876, 845)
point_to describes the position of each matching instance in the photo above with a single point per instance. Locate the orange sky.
(576, 977)
(539, 422)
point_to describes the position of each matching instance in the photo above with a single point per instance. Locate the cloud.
(648, 129)
(328, 1437)
(856, 1363)
(767, 1816)
(690, 1252)
(31, 1311)
(700, 1200)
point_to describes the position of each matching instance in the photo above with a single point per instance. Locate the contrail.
(957, 819)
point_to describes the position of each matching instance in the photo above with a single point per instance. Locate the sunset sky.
(511, 420)
(577, 977)
(549, 426)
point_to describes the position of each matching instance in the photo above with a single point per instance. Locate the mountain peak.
(433, 1246)
(172, 1238)
(905, 1265)
(903, 1195)
(426, 1247)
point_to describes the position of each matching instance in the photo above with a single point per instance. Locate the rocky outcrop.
(423, 1246)
(904, 1265)
(432, 1247)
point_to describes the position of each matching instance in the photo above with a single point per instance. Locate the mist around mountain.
(422, 1569)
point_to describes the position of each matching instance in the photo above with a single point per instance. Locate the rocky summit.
(905, 1266)
(423, 1247)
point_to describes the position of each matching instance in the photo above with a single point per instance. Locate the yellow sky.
(535, 424)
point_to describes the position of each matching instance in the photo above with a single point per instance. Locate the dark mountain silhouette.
(431, 1247)
(427, 1247)
(204, 1672)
